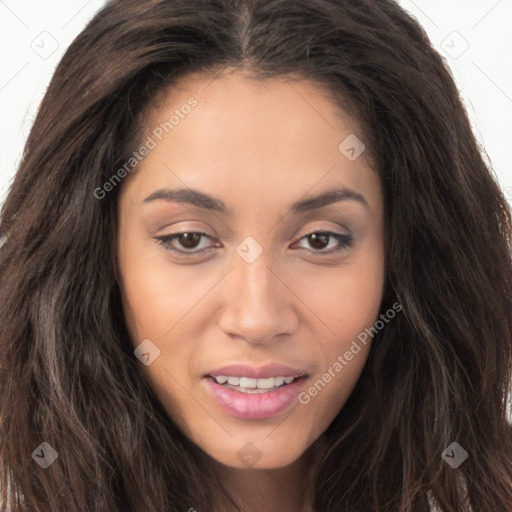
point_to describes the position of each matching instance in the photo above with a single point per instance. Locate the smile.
(248, 385)
(247, 400)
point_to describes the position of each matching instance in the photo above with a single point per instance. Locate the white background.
(35, 33)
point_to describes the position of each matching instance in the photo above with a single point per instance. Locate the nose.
(258, 305)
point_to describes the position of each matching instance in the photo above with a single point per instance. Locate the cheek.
(145, 297)
(156, 296)
(346, 303)
(345, 299)
(350, 312)
(155, 303)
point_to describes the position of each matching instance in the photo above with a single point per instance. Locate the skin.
(259, 147)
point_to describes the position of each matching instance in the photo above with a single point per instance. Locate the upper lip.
(262, 372)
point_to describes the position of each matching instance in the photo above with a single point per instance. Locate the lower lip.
(254, 406)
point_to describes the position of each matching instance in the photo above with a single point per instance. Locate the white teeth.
(248, 383)
(266, 383)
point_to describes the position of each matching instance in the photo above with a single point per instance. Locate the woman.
(253, 260)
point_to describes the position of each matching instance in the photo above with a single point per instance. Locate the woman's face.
(277, 275)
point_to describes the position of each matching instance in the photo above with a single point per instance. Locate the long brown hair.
(439, 373)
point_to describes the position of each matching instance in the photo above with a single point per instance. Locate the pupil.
(189, 240)
(315, 238)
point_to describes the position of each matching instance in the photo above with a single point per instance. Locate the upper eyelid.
(203, 233)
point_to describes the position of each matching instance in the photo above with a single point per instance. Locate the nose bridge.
(255, 280)
(256, 303)
(252, 271)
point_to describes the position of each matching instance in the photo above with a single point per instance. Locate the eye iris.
(189, 240)
(316, 238)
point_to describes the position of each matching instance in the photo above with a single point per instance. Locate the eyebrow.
(206, 202)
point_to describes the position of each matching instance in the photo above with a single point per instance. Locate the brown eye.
(185, 242)
(320, 240)
(189, 240)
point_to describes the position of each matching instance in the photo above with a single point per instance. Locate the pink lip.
(254, 406)
(263, 372)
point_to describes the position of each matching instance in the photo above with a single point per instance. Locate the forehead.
(250, 136)
(270, 111)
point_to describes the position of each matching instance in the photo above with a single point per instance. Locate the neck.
(284, 489)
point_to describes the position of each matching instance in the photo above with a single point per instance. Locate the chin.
(256, 454)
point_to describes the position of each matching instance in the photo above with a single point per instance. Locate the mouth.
(248, 385)
(248, 393)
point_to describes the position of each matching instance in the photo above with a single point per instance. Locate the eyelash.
(344, 242)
